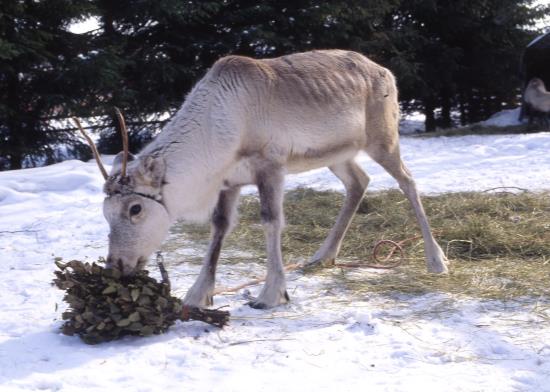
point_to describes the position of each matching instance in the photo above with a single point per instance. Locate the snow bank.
(326, 339)
(504, 118)
(412, 123)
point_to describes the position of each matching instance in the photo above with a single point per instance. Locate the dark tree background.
(36, 55)
(450, 56)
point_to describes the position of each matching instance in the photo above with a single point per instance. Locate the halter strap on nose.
(158, 199)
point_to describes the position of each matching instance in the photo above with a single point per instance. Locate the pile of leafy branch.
(105, 306)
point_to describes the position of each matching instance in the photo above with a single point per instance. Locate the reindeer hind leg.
(355, 181)
(390, 160)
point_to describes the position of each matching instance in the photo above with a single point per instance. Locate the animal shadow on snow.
(48, 351)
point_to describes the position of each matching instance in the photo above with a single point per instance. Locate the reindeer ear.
(152, 169)
(117, 162)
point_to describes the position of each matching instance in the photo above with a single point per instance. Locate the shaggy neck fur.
(197, 153)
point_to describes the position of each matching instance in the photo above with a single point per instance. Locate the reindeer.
(253, 121)
(536, 102)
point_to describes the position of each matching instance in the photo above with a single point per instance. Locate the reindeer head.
(537, 84)
(133, 205)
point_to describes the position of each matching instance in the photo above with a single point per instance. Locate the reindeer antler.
(124, 133)
(93, 148)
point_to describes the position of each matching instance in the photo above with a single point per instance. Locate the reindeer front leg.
(201, 293)
(270, 187)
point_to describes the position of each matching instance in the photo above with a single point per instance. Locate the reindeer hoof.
(438, 269)
(316, 264)
(256, 303)
(200, 301)
(438, 265)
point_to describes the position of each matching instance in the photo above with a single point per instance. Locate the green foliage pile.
(105, 306)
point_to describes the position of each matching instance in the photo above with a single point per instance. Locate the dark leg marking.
(200, 294)
(270, 187)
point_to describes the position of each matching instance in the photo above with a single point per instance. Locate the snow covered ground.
(326, 339)
(451, 164)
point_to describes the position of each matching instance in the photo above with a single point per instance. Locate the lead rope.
(380, 263)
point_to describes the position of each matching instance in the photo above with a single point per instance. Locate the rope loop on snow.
(381, 263)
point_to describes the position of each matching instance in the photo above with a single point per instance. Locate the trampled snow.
(326, 339)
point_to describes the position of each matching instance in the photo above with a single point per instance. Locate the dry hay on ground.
(498, 242)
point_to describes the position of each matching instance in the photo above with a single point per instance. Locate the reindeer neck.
(195, 163)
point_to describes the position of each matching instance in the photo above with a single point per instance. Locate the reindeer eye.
(135, 209)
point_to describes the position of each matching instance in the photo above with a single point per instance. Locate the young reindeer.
(251, 122)
(537, 101)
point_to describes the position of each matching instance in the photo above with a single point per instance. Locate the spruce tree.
(35, 53)
(461, 55)
(147, 54)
